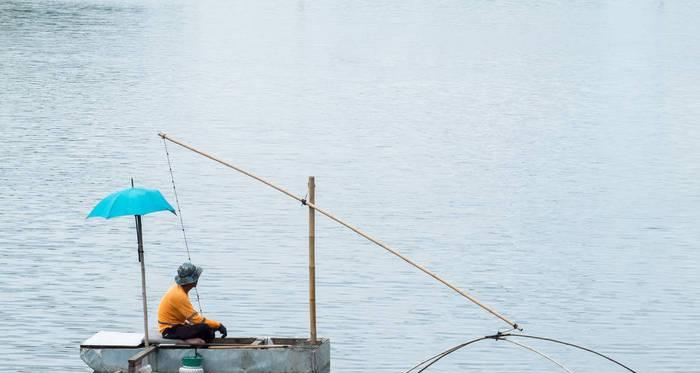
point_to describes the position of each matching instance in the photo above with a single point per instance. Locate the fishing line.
(179, 214)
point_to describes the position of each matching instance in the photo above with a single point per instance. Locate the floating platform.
(110, 352)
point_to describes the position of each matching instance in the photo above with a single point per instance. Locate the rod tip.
(162, 135)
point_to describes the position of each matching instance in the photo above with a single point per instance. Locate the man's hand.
(222, 330)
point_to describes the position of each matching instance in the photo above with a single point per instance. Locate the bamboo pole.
(312, 259)
(352, 228)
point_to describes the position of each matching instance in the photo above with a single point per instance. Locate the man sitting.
(177, 319)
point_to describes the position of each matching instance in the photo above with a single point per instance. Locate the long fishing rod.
(303, 201)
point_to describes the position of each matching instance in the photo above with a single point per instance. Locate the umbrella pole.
(139, 236)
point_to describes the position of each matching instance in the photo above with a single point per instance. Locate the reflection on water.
(543, 156)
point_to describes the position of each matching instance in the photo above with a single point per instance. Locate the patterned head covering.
(188, 273)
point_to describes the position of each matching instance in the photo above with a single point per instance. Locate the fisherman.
(177, 319)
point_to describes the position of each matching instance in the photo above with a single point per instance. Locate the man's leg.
(207, 333)
(202, 331)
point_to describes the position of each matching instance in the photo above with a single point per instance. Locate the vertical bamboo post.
(312, 259)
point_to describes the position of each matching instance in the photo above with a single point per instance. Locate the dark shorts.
(203, 331)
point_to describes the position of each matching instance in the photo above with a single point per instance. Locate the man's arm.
(193, 317)
(196, 318)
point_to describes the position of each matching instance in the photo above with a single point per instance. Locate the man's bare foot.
(195, 341)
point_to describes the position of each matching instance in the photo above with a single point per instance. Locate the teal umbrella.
(137, 202)
(131, 201)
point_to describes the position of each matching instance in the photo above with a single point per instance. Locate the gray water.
(542, 155)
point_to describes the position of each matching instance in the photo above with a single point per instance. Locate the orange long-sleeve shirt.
(175, 308)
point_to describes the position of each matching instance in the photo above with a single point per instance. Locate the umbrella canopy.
(131, 201)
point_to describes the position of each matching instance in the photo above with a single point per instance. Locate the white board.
(114, 339)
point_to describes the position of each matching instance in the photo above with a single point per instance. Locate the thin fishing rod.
(179, 214)
(529, 348)
(352, 228)
(570, 345)
(448, 351)
(439, 356)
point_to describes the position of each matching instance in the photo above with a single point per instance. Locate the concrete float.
(110, 352)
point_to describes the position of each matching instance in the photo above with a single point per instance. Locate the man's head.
(188, 274)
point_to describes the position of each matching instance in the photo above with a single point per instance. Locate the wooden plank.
(245, 347)
(135, 361)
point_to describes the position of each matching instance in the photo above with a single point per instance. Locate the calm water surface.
(543, 155)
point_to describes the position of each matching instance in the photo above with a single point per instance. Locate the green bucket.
(192, 361)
